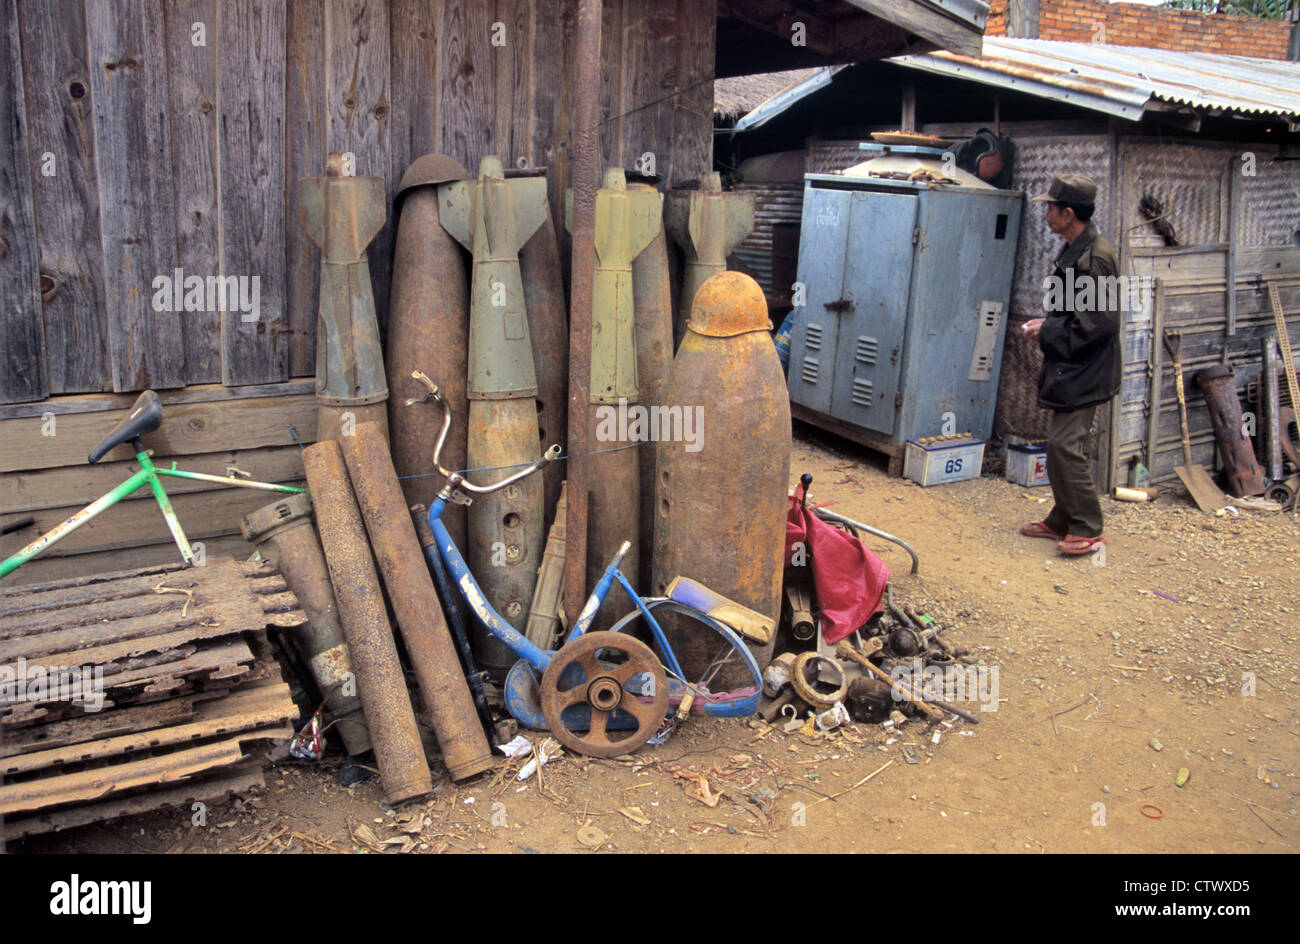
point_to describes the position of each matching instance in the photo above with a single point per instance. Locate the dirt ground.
(1178, 650)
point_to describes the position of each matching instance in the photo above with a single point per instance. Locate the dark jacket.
(1080, 338)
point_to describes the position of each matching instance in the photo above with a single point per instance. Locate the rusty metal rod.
(403, 769)
(443, 688)
(586, 171)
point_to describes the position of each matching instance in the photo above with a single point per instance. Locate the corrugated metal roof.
(1126, 80)
(783, 100)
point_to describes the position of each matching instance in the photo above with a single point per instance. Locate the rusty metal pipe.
(398, 750)
(586, 170)
(539, 267)
(283, 535)
(428, 328)
(1240, 468)
(443, 688)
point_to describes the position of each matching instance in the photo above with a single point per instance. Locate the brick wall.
(1132, 24)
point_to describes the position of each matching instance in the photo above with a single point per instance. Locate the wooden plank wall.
(145, 136)
(1194, 289)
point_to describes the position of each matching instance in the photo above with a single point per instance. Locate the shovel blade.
(1204, 492)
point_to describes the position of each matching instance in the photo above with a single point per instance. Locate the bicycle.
(597, 683)
(144, 418)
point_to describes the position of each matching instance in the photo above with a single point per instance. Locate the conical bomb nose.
(728, 304)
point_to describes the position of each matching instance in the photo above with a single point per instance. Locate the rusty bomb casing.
(708, 224)
(626, 223)
(443, 688)
(720, 493)
(283, 534)
(494, 217)
(428, 329)
(1240, 468)
(548, 331)
(399, 752)
(342, 215)
(652, 307)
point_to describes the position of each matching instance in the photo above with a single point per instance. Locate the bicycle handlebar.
(455, 478)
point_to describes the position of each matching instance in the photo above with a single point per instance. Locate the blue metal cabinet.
(905, 289)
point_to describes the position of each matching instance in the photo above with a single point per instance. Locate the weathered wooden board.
(222, 783)
(88, 727)
(612, 43)
(648, 87)
(135, 523)
(305, 157)
(692, 138)
(514, 71)
(62, 151)
(44, 569)
(128, 80)
(53, 488)
(413, 42)
(100, 782)
(22, 340)
(238, 711)
(187, 429)
(357, 108)
(554, 29)
(197, 393)
(193, 48)
(255, 343)
(465, 111)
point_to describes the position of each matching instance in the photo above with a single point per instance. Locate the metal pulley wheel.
(809, 678)
(582, 693)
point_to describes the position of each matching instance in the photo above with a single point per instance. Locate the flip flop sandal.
(1039, 529)
(1076, 545)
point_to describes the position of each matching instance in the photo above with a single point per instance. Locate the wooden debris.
(120, 698)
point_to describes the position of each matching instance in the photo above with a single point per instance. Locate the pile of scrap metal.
(848, 652)
(131, 691)
(487, 337)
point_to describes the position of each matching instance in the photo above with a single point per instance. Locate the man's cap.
(1070, 188)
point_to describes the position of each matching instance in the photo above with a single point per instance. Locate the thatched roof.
(735, 96)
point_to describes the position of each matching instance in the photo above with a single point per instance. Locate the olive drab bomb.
(342, 215)
(652, 304)
(708, 224)
(493, 217)
(627, 221)
(720, 508)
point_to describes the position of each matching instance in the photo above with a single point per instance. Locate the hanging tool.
(1194, 477)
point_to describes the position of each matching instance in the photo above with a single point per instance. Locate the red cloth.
(849, 579)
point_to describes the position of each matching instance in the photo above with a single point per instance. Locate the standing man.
(1082, 366)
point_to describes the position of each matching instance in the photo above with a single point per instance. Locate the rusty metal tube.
(443, 688)
(283, 535)
(428, 329)
(380, 683)
(586, 170)
(1240, 468)
(548, 329)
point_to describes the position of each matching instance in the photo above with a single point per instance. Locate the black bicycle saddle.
(145, 417)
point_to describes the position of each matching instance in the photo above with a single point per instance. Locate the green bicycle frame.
(148, 474)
